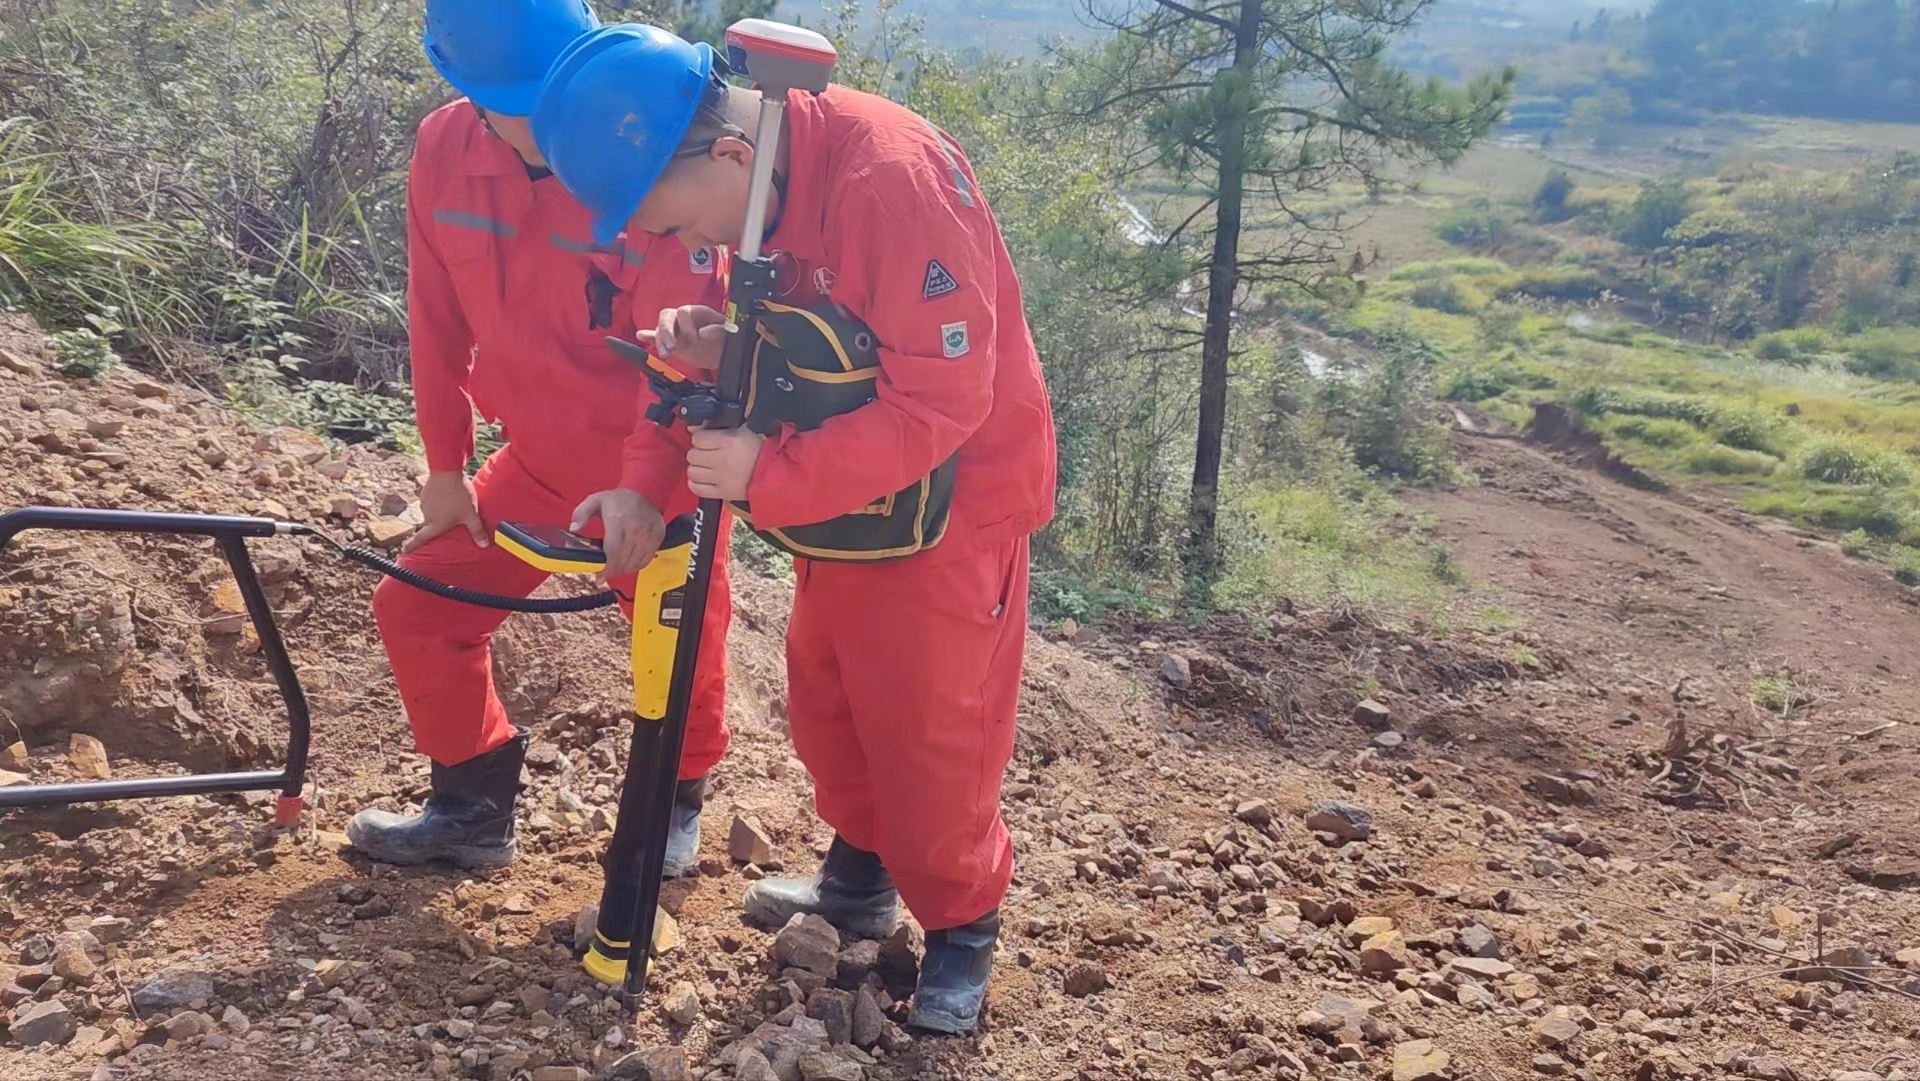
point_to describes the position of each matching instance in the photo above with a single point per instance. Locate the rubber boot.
(953, 977)
(468, 821)
(683, 836)
(852, 891)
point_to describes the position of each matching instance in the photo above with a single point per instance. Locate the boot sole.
(874, 927)
(467, 857)
(940, 1023)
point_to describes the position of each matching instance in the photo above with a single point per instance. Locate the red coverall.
(904, 676)
(507, 304)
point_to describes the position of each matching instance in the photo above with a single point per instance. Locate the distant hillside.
(974, 27)
(1018, 27)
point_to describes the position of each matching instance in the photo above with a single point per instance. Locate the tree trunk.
(1223, 282)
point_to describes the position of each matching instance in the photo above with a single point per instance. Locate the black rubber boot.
(852, 891)
(953, 977)
(683, 836)
(468, 821)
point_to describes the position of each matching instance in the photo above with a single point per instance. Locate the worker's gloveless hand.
(693, 333)
(720, 465)
(633, 528)
(447, 503)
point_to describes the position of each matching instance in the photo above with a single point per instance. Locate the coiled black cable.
(367, 557)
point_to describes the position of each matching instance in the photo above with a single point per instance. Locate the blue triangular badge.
(939, 283)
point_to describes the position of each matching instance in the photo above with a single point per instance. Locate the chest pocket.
(811, 364)
(473, 247)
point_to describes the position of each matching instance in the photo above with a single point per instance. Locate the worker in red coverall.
(904, 675)
(509, 299)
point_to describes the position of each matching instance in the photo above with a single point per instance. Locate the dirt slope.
(1553, 883)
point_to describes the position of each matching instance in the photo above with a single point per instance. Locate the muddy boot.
(953, 977)
(468, 821)
(683, 836)
(852, 891)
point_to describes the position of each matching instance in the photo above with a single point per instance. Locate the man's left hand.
(720, 465)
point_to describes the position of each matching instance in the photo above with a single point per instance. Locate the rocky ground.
(1641, 808)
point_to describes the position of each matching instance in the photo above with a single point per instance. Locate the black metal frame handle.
(231, 532)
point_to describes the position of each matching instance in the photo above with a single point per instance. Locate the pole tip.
(286, 813)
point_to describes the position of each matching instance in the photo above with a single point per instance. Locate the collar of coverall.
(487, 153)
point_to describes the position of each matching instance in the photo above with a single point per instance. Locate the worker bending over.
(903, 673)
(509, 299)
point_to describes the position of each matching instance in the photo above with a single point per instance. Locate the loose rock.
(1556, 1030)
(747, 842)
(753, 1066)
(653, 1064)
(1419, 1060)
(1771, 1068)
(1372, 716)
(390, 533)
(868, 1020)
(71, 957)
(1254, 812)
(1346, 821)
(44, 1022)
(172, 989)
(833, 1008)
(1477, 940)
(1085, 978)
(682, 1004)
(89, 757)
(823, 1066)
(1384, 954)
(808, 942)
(1177, 671)
(14, 757)
(109, 928)
(1484, 967)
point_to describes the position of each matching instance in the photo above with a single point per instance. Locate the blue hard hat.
(614, 109)
(497, 51)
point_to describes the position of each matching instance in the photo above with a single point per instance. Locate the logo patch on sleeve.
(939, 283)
(700, 260)
(953, 339)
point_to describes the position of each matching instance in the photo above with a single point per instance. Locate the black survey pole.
(779, 59)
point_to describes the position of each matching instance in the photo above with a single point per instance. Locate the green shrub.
(1698, 412)
(1775, 347)
(1472, 267)
(1592, 401)
(84, 353)
(1454, 296)
(1809, 341)
(1748, 429)
(275, 394)
(1478, 383)
(1906, 565)
(1857, 543)
(1886, 354)
(1556, 282)
(1719, 460)
(1657, 208)
(1479, 224)
(1550, 199)
(1840, 510)
(1656, 432)
(1838, 460)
